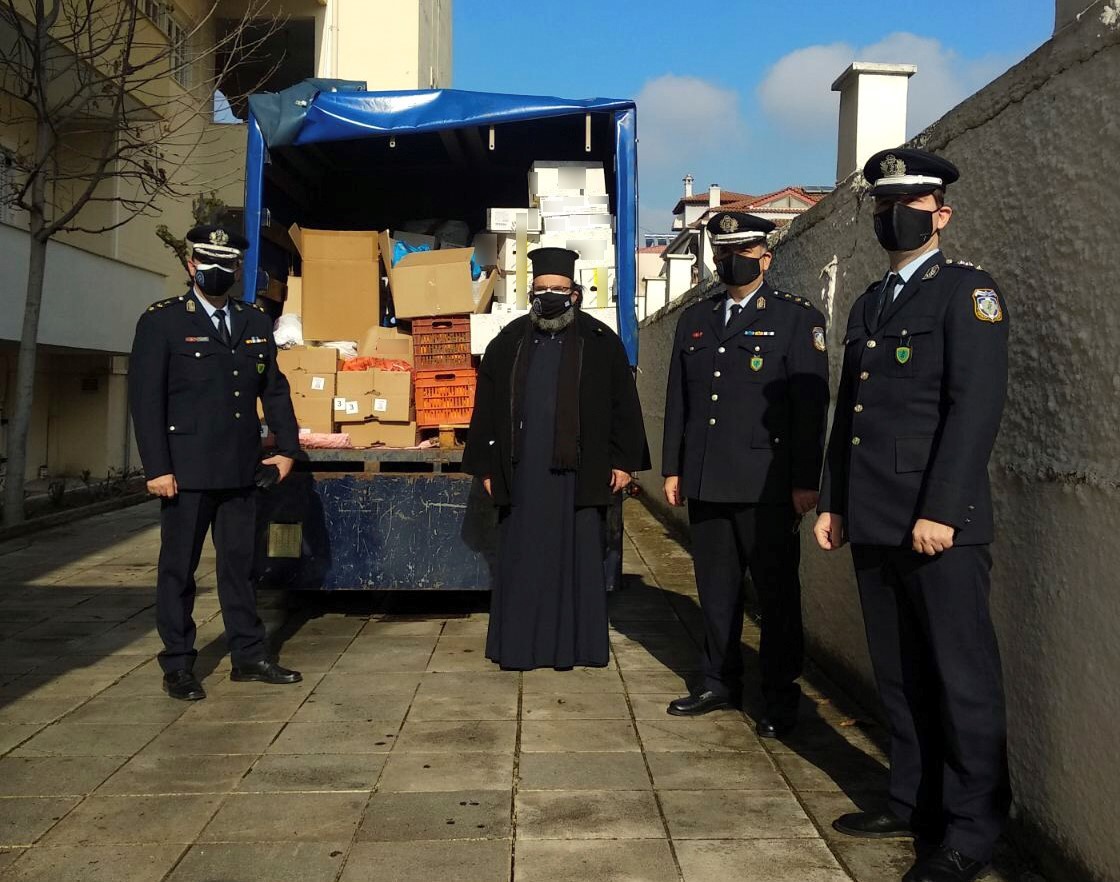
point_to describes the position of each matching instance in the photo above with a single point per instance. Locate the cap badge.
(729, 224)
(219, 237)
(892, 166)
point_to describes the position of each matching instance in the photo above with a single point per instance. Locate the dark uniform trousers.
(727, 540)
(184, 522)
(937, 667)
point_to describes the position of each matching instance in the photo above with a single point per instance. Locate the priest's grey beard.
(553, 325)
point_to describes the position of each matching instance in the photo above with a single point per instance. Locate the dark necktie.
(223, 331)
(886, 297)
(736, 308)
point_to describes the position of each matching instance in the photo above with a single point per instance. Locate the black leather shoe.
(945, 865)
(774, 727)
(264, 671)
(873, 825)
(697, 705)
(183, 685)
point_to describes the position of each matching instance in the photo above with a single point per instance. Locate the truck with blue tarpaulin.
(327, 155)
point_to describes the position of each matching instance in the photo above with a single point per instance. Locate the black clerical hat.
(738, 228)
(554, 262)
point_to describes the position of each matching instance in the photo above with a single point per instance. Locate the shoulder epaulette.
(963, 264)
(160, 304)
(793, 298)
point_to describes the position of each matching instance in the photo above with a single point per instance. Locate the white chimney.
(687, 186)
(872, 111)
(713, 196)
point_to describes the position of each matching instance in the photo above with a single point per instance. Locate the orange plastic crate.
(445, 397)
(441, 342)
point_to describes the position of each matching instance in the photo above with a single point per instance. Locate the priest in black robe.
(557, 428)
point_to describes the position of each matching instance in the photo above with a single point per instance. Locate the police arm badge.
(986, 305)
(818, 339)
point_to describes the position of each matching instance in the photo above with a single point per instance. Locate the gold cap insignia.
(892, 166)
(219, 237)
(729, 224)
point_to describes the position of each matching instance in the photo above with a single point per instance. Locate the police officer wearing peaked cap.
(906, 482)
(199, 363)
(745, 414)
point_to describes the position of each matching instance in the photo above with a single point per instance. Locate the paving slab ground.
(404, 756)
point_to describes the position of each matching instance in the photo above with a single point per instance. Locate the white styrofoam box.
(506, 307)
(566, 178)
(486, 327)
(577, 223)
(507, 250)
(505, 289)
(504, 220)
(587, 278)
(485, 249)
(594, 204)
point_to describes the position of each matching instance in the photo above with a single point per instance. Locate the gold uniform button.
(712, 421)
(721, 350)
(758, 349)
(236, 394)
(716, 375)
(871, 344)
(235, 373)
(864, 375)
(198, 355)
(858, 408)
(777, 440)
(855, 441)
(237, 416)
(171, 428)
(715, 398)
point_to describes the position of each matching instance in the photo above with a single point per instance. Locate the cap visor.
(903, 189)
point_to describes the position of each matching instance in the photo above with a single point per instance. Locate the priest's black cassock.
(549, 601)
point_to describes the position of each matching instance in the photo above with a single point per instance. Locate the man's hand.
(804, 501)
(932, 538)
(673, 490)
(487, 485)
(165, 486)
(829, 531)
(619, 480)
(283, 464)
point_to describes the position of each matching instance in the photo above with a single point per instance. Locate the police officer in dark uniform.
(906, 482)
(745, 415)
(199, 363)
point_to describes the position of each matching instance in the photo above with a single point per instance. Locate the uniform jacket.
(747, 405)
(194, 402)
(919, 407)
(612, 434)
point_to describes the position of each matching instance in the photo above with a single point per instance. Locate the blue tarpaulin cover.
(345, 115)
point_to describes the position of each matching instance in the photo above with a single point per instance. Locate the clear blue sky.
(736, 92)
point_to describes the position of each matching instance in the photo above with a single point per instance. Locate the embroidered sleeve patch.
(818, 339)
(986, 305)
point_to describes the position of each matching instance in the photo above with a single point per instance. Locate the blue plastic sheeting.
(342, 116)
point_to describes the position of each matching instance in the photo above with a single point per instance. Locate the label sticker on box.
(380, 405)
(264, 430)
(305, 431)
(340, 404)
(352, 407)
(318, 384)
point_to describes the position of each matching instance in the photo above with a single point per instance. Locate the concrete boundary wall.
(1038, 205)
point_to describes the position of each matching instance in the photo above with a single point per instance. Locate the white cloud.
(796, 92)
(682, 118)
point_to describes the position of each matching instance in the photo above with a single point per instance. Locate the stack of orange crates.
(443, 380)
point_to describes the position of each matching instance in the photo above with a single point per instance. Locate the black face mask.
(902, 228)
(214, 281)
(738, 270)
(551, 304)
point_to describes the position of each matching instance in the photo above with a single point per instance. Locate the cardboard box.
(314, 414)
(386, 343)
(341, 281)
(505, 220)
(311, 359)
(293, 305)
(389, 434)
(373, 395)
(308, 385)
(552, 206)
(275, 290)
(433, 283)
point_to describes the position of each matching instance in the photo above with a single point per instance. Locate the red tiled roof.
(725, 196)
(651, 249)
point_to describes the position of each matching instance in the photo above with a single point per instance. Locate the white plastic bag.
(288, 331)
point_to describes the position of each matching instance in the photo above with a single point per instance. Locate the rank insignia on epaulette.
(818, 339)
(190, 306)
(931, 272)
(760, 303)
(986, 305)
